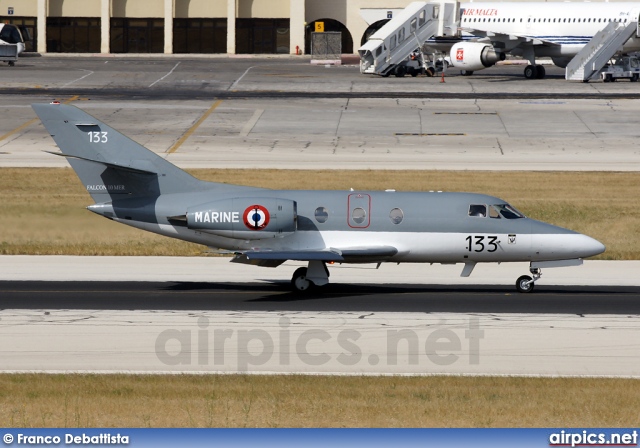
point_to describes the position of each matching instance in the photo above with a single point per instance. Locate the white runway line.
(233, 86)
(170, 71)
(246, 129)
(79, 79)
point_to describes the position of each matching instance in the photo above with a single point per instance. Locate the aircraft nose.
(590, 247)
(565, 246)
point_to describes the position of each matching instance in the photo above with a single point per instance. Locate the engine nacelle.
(245, 218)
(472, 56)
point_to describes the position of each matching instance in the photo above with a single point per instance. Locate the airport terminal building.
(194, 26)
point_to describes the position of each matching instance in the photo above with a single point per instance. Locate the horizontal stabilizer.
(110, 165)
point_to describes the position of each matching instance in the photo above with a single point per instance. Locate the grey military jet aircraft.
(132, 185)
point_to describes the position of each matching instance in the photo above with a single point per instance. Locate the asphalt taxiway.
(286, 113)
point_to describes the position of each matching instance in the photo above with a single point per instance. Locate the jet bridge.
(387, 49)
(601, 48)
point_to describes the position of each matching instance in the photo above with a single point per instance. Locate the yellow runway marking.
(192, 129)
(30, 122)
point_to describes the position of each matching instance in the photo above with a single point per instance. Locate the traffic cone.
(442, 79)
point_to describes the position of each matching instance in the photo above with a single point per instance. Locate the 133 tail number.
(482, 243)
(97, 137)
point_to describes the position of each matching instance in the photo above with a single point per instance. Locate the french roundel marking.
(256, 217)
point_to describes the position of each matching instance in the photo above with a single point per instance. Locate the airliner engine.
(471, 56)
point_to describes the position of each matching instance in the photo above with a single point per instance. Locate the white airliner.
(531, 30)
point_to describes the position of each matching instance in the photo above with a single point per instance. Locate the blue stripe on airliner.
(565, 40)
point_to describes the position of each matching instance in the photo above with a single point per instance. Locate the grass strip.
(75, 400)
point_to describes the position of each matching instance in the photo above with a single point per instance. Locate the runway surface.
(258, 325)
(277, 296)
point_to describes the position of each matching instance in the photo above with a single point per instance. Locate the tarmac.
(286, 113)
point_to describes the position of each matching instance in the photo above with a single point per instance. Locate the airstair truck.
(620, 68)
(389, 49)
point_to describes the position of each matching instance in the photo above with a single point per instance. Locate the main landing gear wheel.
(299, 280)
(524, 284)
(534, 72)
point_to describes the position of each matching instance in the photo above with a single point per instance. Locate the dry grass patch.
(43, 209)
(40, 400)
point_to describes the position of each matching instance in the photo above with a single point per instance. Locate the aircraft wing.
(272, 258)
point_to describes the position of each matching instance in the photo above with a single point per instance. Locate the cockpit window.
(507, 211)
(494, 212)
(479, 210)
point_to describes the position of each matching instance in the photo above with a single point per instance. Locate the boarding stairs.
(601, 48)
(392, 44)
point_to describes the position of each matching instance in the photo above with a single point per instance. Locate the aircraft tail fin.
(109, 164)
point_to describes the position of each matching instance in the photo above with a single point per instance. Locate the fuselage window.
(479, 210)
(358, 215)
(396, 216)
(321, 214)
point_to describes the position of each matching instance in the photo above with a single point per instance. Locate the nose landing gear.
(525, 283)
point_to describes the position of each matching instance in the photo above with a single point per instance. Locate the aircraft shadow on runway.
(276, 296)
